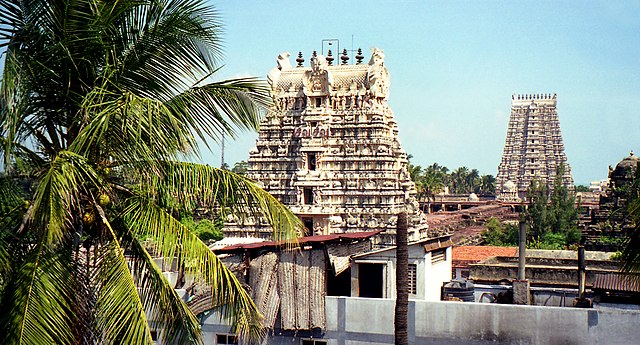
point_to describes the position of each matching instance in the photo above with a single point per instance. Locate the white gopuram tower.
(329, 148)
(533, 149)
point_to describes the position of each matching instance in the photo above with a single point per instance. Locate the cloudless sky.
(455, 64)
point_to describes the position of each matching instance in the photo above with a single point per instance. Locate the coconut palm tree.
(459, 181)
(488, 184)
(473, 181)
(400, 320)
(100, 100)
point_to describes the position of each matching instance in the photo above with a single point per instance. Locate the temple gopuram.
(329, 148)
(611, 218)
(533, 149)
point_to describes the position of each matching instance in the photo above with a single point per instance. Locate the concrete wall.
(435, 275)
(355, 321)
(429, 277)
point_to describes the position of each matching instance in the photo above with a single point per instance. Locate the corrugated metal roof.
(303, 240)
(617, 282)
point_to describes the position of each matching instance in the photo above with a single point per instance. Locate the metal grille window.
(439, 255)
(413, 285)
(226, 339)
(313, 342)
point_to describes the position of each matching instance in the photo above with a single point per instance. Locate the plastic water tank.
(459, 289)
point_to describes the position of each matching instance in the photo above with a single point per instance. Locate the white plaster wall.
(435, 275)
(352, 320)
(429, 277)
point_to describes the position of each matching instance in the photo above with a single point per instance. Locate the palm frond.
(162, 303)
(220, 107)
(56, 203)
(191, 183)
(38, 300)
(159, 61)
(172, 240)
(129, 128)
(12, 205)
(119, 312)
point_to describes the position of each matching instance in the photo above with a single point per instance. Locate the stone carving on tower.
(329, 147)
(533, 149)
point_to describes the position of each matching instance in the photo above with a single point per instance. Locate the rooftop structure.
(329, 148)
(610, 219)
(533, 149)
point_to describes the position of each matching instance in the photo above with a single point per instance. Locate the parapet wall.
(350, 321)
(360, 321)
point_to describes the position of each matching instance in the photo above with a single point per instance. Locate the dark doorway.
(308, 196)
(311, 161)
(308, 223)
(370, 280)
(339, 285)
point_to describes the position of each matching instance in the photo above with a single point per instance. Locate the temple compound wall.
(329, 147)
(533, 149)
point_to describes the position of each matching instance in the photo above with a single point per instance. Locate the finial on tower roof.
(329, 58)
(344, 57)
(300, 59)
(359, 57)
(314, 54)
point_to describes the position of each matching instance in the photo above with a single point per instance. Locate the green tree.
(459, 181)
(537, 212)
(99, 101)
(431, 185)
(552, 215)
(631, 253)
(582, 188)
(500, 234)
(240, 168)
(488, 185)
(473, 181)
(563, 213)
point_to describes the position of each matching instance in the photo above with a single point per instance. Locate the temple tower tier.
(329, 148)
(533, 149)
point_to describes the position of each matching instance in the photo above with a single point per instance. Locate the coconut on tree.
(100, 102)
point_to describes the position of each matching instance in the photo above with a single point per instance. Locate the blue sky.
(454, 66)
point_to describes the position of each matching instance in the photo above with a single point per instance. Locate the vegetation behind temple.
(434, 178)
(552, 217)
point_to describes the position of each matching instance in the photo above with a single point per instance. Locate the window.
(313, 342)
(154, 335)
(318, 102)
(226, 339)
(413, 270)
(311, 161)
(308, 223)
(371, 280)
(308, 196)
(439, 255)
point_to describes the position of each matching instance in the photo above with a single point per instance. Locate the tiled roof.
(465, 255)
(303, 240)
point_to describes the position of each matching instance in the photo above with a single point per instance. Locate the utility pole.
(222, 165)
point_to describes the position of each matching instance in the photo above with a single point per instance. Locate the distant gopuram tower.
(329, 148)
(533, 148)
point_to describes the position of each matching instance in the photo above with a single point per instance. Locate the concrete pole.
(521, 293)
(522, 250)
(582, 273)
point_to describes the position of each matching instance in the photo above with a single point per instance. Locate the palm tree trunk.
(402, 292)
